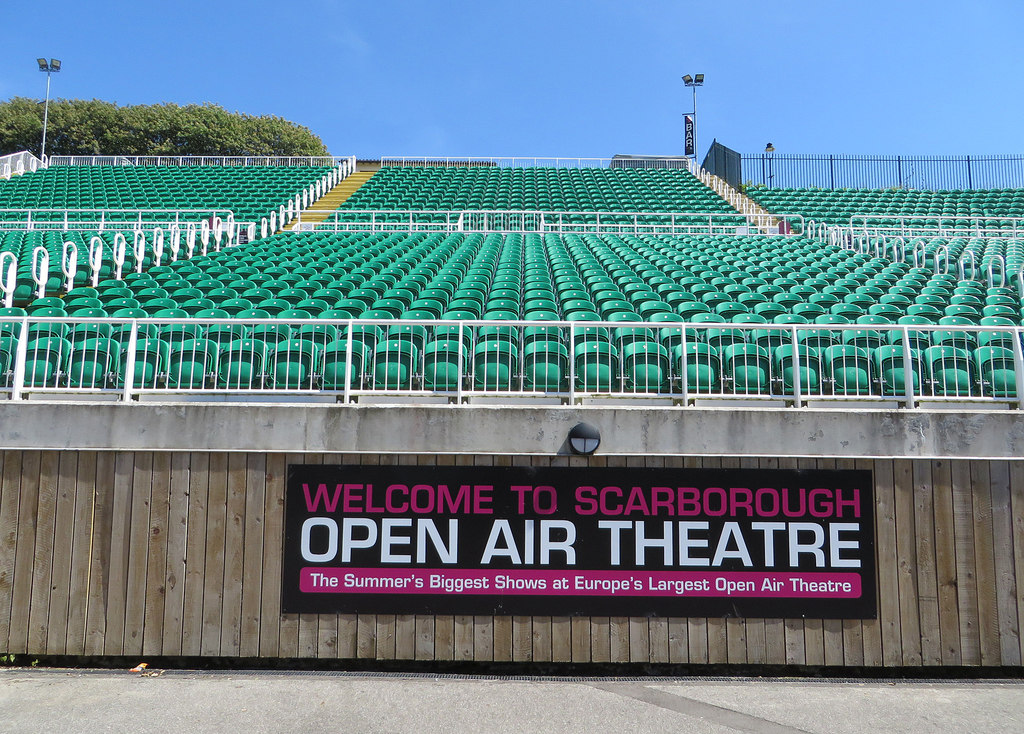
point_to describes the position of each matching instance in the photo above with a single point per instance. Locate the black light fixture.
(769, 148)
(49, 68)
(694, 81)
(584, 439)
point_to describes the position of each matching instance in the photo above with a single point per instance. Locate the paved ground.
(89, 702)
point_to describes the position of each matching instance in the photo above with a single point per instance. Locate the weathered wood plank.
(58, 613)
(483, 638)
(888, 563)
(156, 561)
(234, 555)
(213, 587)
(424, 637)
(100, 551)
(522, 639)
(1017, 513)
(927, 579)
(10, 498)
(252, 553)
(444, 637)
(272, 624)
(42, 555)
(120, 540)
(946, 562)
(984, 553)
(503, 638)
(177, 546)
(24, 558)
(84, 483)
(1005, 578)
(138, 552)
(195, 554)
(906, 554)
(463, 637)
(966, 568)
(561, 639)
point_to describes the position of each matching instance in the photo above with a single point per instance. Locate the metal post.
(46, 115)
(696, 150)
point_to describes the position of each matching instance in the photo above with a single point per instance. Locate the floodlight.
(42, 65)
(769, 148)
(687, 79)
(55, 64)
(699, 79)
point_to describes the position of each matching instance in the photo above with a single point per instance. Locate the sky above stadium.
(554, 78)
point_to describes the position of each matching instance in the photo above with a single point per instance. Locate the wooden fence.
(160, 553)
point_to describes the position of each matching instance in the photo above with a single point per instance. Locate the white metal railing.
(197, 160)
(344, 359)
(535, 162)
(16, 164)
(556, 222)
(929, 225)
(100, 220)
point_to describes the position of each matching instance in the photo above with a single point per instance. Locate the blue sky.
(555, 78)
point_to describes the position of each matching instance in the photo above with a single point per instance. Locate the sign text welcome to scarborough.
(575, 541)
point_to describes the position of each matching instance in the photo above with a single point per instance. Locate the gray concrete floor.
(35, 700)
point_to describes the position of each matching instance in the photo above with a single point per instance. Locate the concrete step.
(333, 199)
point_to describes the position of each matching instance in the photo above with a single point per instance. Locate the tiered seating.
(543, 189)
(250, 192)
(711, 315)
(836, 206)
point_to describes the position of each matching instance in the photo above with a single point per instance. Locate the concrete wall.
(471, 429)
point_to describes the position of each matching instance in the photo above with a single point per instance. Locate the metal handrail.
(789, 379)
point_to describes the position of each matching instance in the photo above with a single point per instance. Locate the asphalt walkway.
(88, 702)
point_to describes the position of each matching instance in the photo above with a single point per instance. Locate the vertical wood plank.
(1017, 513)
(424, 637)
(984, 553)
(927, 578)
(234, 555)
(272, 624)
(195, 553)
(444, 637)
(966, 569)
(888, 563)
(309, 624)
(120, 540)
(483, 638)
(1005, 578)
(10, 497)
(946, 562)
(906, 554)
(522, 638)
(42, 555)
(156, 562)
(24, 557)
(138, 552)
(503, 638)
(177, 545)
(253, 579)
(852, 629)
(213, 582)
(64, 531)
(85, 512)
(100, 552)
(793, 628)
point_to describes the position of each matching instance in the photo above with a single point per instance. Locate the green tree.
(94, 127)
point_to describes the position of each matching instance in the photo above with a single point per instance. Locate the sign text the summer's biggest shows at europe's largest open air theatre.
(579, 541)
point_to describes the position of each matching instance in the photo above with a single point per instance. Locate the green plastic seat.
(995, 367)
(240, 365)
(848, 369)
(441, 365)
(747, 367)
(293, 364)
(951, 371)
(395, 363)
(545, 364)
(192, 364)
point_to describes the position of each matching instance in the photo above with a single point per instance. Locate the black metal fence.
(794, 170)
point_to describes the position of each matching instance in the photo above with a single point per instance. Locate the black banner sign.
(688, 135)
(579, 541)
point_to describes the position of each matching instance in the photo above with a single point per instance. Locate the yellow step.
(320, 209)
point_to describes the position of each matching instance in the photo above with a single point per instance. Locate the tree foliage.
(94, 127)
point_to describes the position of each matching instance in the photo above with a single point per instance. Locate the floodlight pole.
(49, 68)
(693, 82)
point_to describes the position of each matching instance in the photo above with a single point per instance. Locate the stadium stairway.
(744, 204)
(333, 199)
